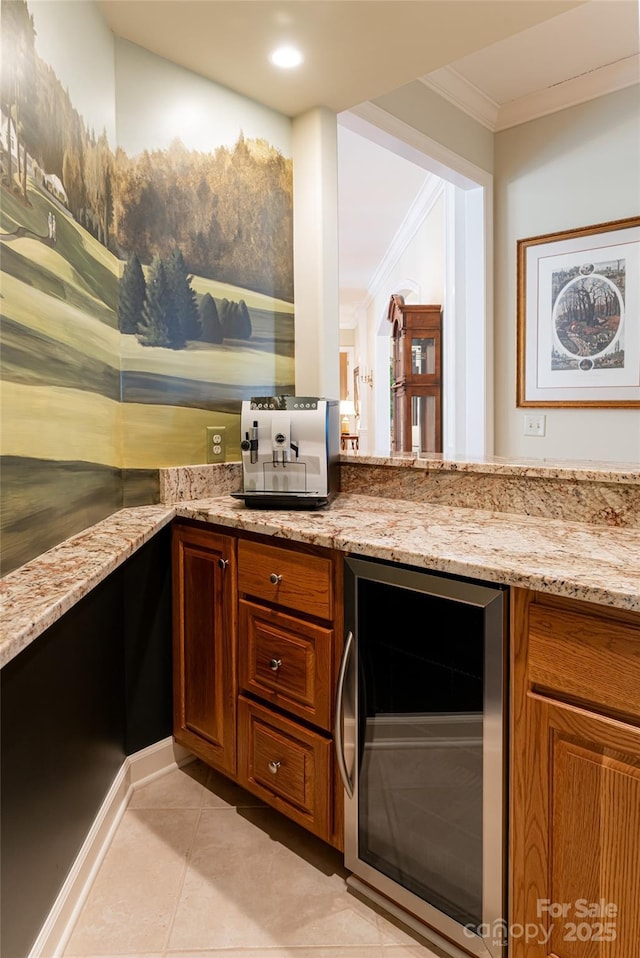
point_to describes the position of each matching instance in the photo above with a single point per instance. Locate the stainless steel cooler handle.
(338, 717)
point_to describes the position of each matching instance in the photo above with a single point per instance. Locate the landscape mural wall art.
(147, 269)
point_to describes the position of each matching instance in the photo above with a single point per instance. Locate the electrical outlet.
(216, 444)
(535, 424)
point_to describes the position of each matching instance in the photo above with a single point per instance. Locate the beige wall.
(578, 167)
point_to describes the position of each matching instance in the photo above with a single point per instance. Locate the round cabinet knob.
(245, 445)
(275, 578)
(273, 767)
(223, 563)
(274, 664)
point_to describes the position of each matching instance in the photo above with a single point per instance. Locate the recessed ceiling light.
(286, 57)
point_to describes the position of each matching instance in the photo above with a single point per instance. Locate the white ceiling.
(588, 51)
(354, 50)
(501, 61)
(575, 43)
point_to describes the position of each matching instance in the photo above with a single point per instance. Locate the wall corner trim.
(137, 769)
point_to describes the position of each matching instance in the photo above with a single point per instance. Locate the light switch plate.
(535, 424)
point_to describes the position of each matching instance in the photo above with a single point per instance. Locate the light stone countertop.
(578, 560)
(37, 594)
(186, 483)
(573, 559)
(583, 470)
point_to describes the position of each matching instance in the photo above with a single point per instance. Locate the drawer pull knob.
(273, 767)
(275, 578)
(223, 563)
(274, 664)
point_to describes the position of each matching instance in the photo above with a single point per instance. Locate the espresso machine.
(290, 452)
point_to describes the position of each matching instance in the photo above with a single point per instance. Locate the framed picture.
(578, 335)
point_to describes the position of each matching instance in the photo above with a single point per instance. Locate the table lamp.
(346, 409)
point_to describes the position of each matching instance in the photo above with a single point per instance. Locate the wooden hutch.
(417, 376)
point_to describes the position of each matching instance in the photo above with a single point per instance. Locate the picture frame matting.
(578, 317)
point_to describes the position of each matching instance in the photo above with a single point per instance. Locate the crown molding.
(429, 193)
(455, 88)
(351, 302)
(452, 86)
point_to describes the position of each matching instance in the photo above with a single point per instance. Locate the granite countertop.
(37, 594)
(583, 470)
(574, 559)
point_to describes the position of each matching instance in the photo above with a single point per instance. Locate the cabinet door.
(578, 895)
(204, 612)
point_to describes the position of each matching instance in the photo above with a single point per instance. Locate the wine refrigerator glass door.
(424, 825)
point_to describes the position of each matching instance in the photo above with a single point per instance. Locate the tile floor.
(198, 868)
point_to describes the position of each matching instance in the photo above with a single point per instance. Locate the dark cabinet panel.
(204, 645)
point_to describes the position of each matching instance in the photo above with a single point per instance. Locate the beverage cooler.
(420, 742)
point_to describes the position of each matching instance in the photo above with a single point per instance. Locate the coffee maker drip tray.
(282, 500)
(279, 485)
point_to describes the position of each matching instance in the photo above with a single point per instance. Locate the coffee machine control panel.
(284, 403)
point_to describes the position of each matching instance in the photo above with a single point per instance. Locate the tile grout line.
(187, 859)
(197, 803)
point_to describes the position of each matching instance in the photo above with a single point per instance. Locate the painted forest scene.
(588, 310)
(161, 281)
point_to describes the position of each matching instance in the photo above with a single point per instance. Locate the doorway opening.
(465, 192)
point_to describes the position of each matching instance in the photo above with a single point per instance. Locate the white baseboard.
(136, 770)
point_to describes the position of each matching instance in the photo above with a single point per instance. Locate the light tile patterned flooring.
(198, 868)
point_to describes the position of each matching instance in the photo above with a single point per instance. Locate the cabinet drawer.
(596, 659)
(286, 661)
(296, 580)
(286, 765)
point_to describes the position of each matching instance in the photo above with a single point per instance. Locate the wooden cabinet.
(287, 765)
(204, 648)
(417, 376)
(287, 661)
(257, 638)
(297, 580)
(288, 652)
(575, 780)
